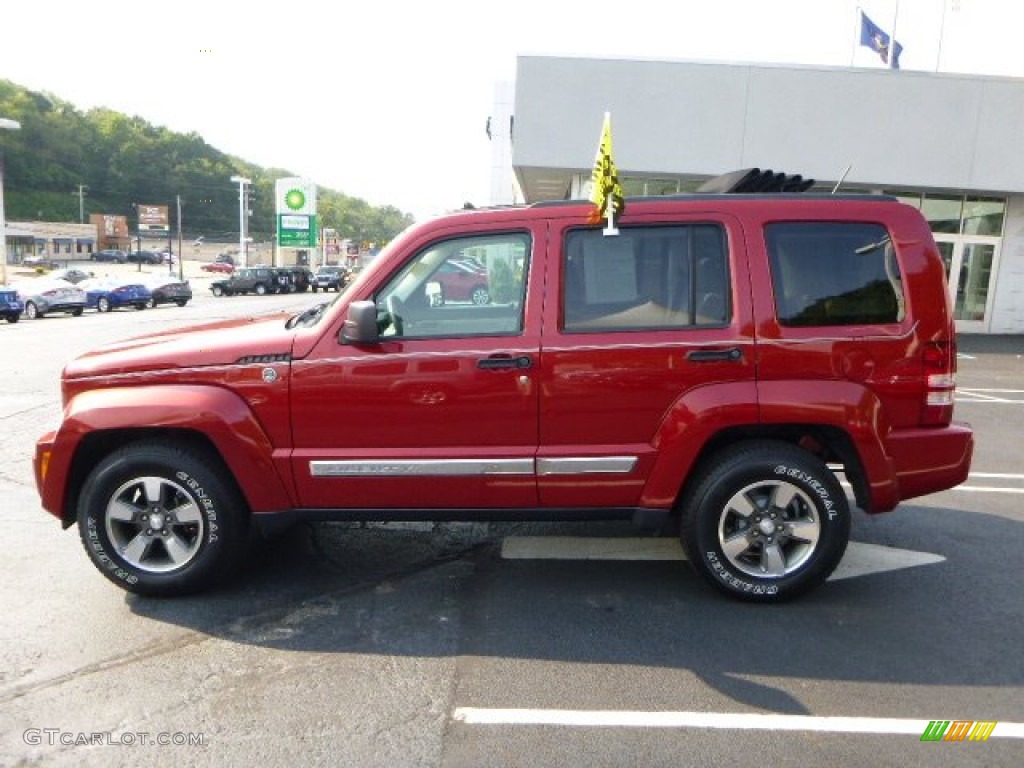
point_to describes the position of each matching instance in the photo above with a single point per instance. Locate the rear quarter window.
(834, 273)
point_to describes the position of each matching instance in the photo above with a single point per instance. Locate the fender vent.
(280, 357)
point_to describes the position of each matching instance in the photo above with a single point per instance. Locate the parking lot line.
(716, 720)
(860, 559)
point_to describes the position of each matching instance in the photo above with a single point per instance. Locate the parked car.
(110, 254)
(463, 280)
(225, 258)
(329, 278)
(167, 289)
(106, 293)
(219, 266)
(11, 306)
(42, 262)
(292, 279)
(258, 280)
(710, 368)
(71, 274)
(146, 257)
(44, 295)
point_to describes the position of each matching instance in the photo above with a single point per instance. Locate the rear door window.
(662, 277)
(834, 273)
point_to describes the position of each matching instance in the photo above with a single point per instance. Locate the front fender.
(218, 414)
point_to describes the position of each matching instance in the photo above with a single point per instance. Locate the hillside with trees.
(121, 160)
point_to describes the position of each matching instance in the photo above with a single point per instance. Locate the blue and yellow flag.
(606, 178)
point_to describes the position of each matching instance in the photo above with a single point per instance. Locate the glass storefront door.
(970, 265)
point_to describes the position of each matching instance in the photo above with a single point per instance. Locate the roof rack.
(755, 181)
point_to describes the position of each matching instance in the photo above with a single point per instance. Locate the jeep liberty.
(712, 369)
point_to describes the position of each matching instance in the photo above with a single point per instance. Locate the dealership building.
(948, 144)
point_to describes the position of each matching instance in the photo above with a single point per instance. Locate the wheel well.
(830, 444)
(96, 446)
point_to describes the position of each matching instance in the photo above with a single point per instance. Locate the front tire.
(480, 296)
(261, 289)
(217, 290)
(32, 311)
(103, 304)
(157, 519)
(766, 522)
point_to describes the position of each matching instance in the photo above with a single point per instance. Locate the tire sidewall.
(219, 507)
(701, 525)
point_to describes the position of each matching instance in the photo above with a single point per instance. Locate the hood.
(221, 343)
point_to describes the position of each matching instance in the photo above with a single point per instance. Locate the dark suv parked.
(146, 257)
(293, 279)
(110, 254)
(258, 280)
(329, 278)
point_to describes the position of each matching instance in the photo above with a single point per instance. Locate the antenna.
(843, 176)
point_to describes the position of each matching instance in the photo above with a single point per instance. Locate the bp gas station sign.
(296, 213)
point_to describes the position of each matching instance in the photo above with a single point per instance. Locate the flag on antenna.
(607, 192)
(877, 40)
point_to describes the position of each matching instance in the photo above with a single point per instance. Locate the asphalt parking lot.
(512, 645)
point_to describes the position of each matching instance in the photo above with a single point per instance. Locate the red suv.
(711, 369)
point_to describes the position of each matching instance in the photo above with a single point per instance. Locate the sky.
(388, 101)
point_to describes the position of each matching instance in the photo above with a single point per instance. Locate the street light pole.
(10, 125)
(241, 181)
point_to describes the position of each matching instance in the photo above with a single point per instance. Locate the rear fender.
(693, 421)
(847, 406)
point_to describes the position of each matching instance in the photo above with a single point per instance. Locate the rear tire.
(157, 519)
(32, 311)
(103, 304)
(765, 522)
(217, 290)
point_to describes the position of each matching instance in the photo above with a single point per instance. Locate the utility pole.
(9, 125)
(241, 181)
(181, 254)
(81, 203)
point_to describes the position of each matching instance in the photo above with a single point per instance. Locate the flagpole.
(892, 37)
(942, 32)
(856, 34)
(610, 228)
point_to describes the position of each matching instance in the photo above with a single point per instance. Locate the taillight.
(939, 359)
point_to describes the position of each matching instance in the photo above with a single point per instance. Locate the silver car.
(44, 295)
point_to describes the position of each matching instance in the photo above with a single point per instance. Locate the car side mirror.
(361, 324)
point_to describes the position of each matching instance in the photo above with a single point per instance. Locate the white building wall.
(503, 190)
(1008, 303)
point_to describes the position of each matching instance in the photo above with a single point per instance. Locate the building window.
(943, 213)
(957, 214)
(983, 216)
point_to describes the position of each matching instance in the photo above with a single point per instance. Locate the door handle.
(731, 355)
(503, 362)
